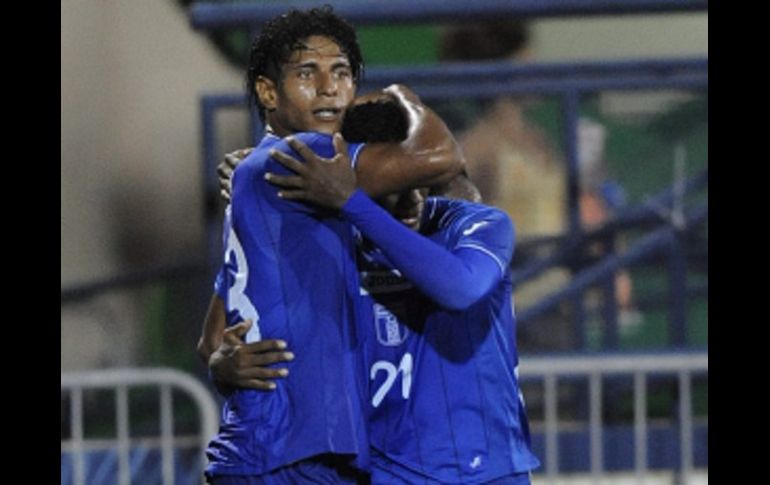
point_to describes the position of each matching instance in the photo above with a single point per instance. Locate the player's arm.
(213, 329)
(428, 156)
(232, 362)
(454, 279)
(406, 145)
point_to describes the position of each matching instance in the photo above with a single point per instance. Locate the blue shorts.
(321, 470)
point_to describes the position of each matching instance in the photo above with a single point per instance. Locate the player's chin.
(328, 127)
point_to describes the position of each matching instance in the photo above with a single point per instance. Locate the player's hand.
(328, 182)
(226, 168)
(238, 364)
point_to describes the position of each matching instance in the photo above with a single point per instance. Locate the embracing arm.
(213, 329)
(232, 362)
(428, 156)
(454, 280)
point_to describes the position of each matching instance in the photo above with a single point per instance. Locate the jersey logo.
(474, 227)
(383, 281)
(389, 331)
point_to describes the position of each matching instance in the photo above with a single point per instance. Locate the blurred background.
(586, 121)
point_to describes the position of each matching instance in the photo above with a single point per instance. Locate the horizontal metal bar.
(650, 244)
(495, 70)
(635, 216)
(222, 100)
(547, 87)
(135, 278)
(109, 378)
(153, 442)
(448, 81)
(207, 15)
(613, 363)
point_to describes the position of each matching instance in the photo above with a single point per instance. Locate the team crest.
(390, 331)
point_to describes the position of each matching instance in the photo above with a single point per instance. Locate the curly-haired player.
(289, 267)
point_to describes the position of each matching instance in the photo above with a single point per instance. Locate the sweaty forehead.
(317, 47)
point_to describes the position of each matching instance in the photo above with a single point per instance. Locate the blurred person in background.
(519, 169)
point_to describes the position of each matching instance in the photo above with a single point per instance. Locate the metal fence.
(77, 447)
(597, 369)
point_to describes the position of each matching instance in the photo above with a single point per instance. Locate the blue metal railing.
(210, 15)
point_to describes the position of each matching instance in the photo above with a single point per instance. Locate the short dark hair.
(375, 121)
(283, 35)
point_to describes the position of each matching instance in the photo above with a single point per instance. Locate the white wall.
(131, 76)
(613, 37)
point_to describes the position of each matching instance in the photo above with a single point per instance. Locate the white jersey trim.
(485, 251)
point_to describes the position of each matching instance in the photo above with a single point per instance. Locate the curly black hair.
(283, 35)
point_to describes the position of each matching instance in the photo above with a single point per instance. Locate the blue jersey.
(444, 397)
(290, 268)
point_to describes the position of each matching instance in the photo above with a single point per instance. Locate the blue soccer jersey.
(444, 400)
(290, 268)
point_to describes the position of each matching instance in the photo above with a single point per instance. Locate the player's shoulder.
(466, 218)
(453, 209)
(321, 143)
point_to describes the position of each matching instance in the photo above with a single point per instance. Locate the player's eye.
(343, 73)
(305, 73)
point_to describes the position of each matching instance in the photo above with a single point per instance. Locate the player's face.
(316, 87)
(406, 206)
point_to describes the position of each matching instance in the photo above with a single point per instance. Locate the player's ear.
(267, 92)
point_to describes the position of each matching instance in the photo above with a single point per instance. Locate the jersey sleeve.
(487, 230)
(454, 278)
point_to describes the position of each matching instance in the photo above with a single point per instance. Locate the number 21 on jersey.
(391, 372)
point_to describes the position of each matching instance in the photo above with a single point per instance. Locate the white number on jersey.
(391, 372)
(236, 295)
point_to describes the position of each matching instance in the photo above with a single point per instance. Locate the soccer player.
(289, 267)
(438, 328)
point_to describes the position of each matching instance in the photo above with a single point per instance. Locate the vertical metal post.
(611, 339)
(640, 426)
(570, 116)
(551, 428)
(677, 292)
(209, 144)
(595, 426)
(209, 178)
(76, 431)
(167, 434)
(685, 426)
(124, 465)
(677, 255)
